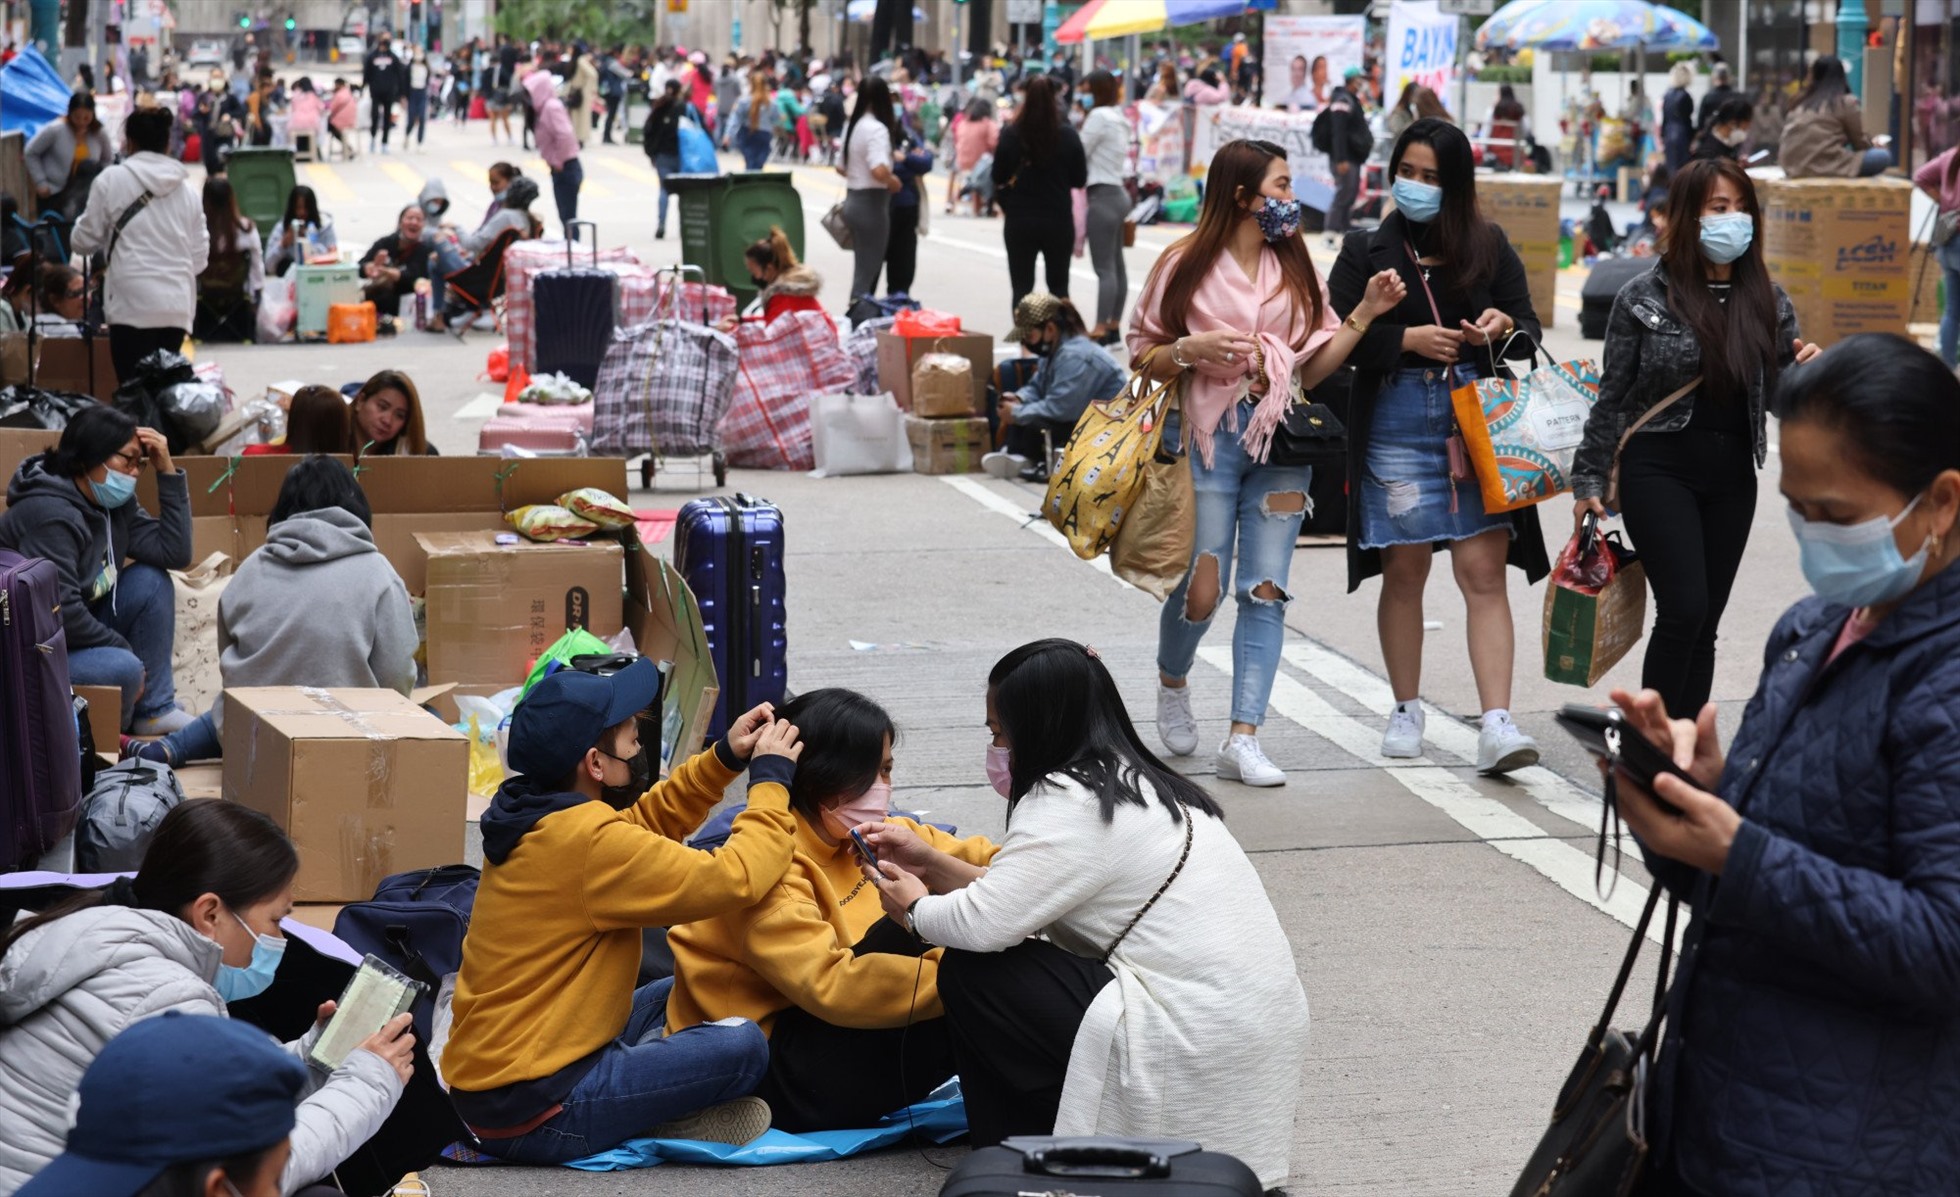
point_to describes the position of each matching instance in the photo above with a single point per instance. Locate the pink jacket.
(342, 110)
(557, 144)
(306, 111)
(1932, 179)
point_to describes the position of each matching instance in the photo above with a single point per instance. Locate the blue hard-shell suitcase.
(576, 309)
(40, 755)
(730, 550)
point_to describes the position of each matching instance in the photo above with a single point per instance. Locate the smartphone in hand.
(1608, 736)
(864, 848)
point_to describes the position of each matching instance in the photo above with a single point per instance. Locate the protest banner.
(1307, 56)
(1421, 49)
(1160, 141)
(1313, 176)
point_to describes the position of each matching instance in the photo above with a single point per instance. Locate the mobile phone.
(376, 994)
(864, 848)
(1607, 735)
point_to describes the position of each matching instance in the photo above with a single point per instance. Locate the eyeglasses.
(125, 463)
(75, 293)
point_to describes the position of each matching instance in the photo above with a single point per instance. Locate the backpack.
(1322, 132)
(416, 922)
(121, 813)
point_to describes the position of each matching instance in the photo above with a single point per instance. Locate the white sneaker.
(1241, 759)
(1503, 748)
(1002, 464)
(1403, 740)
(1177, 727)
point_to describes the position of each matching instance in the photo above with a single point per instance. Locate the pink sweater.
(1932, 179)
(557, 143)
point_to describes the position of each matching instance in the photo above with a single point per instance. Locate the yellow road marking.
(327, 181)
(643, 175)
(405, 175)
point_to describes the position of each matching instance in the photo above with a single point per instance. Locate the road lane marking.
(644, 175)
(405, 176)
(538, 170)
(326, 180)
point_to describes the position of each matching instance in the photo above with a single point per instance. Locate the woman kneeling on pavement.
(1072, 372)
(75, 506)
(1247, 353)
(1117, 968)
(196, 928)
(837, 988)
(1812, 1041)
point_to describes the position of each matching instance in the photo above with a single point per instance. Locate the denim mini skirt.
(1406, 490)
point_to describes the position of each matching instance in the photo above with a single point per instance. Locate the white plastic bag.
(278, 310)
(858, 434)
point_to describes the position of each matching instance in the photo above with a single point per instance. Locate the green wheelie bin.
(722, 215)
(261, 178)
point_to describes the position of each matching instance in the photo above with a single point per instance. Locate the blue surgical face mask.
(237, 984)
(1726, 237)
(113, 491)
(1279, 219)
(1420, 202)
(1858, 565)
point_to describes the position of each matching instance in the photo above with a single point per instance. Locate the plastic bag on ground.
(925, 322)
(576, 642)
(859, 434)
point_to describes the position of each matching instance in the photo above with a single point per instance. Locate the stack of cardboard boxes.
(1526, 208)
(1841, 248)
(945, 407)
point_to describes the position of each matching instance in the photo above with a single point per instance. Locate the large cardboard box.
(16, 446)
(1526, 208)
(365, 782)
(896, 355)
(60, 364)
(1841, 248)
(494, 608)
(947, 446)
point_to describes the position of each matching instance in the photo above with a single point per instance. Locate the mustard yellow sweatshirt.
(793, 948)
(553, 952)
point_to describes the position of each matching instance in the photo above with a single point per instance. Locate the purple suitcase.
(40, 754)
(730, 550)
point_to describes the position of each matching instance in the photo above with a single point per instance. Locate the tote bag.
(1103, 466)
(1522, 433)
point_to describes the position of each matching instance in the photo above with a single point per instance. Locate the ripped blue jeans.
(1233, 507)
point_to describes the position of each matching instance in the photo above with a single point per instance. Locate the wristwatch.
(1355, 323)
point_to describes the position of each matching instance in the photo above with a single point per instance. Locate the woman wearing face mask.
(1727, 130)
(1465, 295)
(197, 927)
(1692, 351)
(1072, 373)
(1090, 983)
(1817, 854)
(784, 284)
(74, 505)
(1246, 358)
(837, 987)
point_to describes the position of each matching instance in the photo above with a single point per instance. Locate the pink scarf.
(1212, 393)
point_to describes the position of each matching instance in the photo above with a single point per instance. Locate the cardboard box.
(942, 387)
(1841, 248)
(494, 608)
(62, 365)
(16, 446)
(1526, 208)
(104, 718)
(666, 623)
(896, 355)
(947, 446)
(365, 782)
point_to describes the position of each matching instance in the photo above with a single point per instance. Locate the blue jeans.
(756, 144)
(664, 165)
(1950, 321)
(449, 259)
(198, 741)
(143, 610)
(1876, 160)
(417, 125)
(565, 183)
(643, 1080)
(1233, 497)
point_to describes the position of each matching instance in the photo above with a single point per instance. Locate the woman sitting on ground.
(62, 301)
(196, 928)
(1073, 373)
(388, 417)
(303, 222)
(836, 987)
(316, 605)
(786, 284)
(1117, 968)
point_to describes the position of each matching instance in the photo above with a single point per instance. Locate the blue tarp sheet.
(31, 93)
(941, 1118)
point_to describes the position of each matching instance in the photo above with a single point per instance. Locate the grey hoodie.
(433, 200)
(317, 604)
(47, 517)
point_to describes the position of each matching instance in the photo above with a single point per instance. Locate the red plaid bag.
(523, 261)
(699, 303)
(779, 366)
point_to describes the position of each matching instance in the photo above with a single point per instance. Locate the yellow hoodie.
(793, 948)
(553, 952)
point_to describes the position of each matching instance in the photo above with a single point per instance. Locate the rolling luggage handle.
(1107, 1158)
(571, 241)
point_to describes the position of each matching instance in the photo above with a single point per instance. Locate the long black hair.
(1039, 122)
(1894, 407)
(94, 435)
(203, 846)
(843, 735)
(1828, 84)
(1737, 338)
(319, 482)
(1459, 235)
(874, 99)
(1061, 713)
(302, 197)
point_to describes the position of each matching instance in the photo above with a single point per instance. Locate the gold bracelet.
(1354, 322)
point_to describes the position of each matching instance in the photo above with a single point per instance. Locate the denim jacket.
(1649, 355)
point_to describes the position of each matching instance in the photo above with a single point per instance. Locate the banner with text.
(1306, 57)
(1160, 142)
(1313, 175)
(1421, 49)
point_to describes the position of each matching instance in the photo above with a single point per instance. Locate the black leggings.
(381, 117)
(902, 250)
(1054, 241)
(1688, 498)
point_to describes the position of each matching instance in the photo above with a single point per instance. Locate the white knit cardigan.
(1203, 1033)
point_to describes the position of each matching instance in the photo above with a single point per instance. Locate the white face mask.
(1733, 137)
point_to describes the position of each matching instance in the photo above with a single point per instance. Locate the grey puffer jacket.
(1649, 355)
(68, 988)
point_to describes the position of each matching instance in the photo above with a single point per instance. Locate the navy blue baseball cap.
(563, 716)
(175, 1089)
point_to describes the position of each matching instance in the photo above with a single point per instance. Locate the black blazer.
(1379, 354)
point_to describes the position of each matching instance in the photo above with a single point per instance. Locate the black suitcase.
(730, 550)
(576, 310)
(1097, 1167)
(1602, 286)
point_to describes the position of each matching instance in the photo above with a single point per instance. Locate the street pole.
(1852, 25)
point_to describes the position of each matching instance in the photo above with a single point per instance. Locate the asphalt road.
(1447, 927)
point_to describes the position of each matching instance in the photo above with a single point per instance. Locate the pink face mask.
(869, 807)
(1000, 771)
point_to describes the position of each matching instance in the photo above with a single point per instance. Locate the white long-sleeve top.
(1203, 1032)
(1106, 144)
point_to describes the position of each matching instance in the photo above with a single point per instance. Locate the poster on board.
(1421, 48)
(1307, 56)
(1313, 175)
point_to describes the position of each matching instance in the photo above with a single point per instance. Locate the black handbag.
(1311, 435)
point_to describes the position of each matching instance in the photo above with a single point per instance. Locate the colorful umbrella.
(1593, 25)
(1679, 31)
(1101, 19)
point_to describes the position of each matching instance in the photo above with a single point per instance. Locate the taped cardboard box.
(897, 355)
(16, 446)
(947, 446)
(364, 781)
(1841, 248)
(1526, 207)
(666, 624)
(61, 364)
(494, 608)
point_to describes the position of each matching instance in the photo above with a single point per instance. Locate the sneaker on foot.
(1176, 726)
(163, 723)
(1241, 759)
(1403, 740)
(1002, 464)
(733, 1122)
(1503, 748)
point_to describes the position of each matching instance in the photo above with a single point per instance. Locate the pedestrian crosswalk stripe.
(327, 181)
(405, 175)
(644, 175)
(536, 168)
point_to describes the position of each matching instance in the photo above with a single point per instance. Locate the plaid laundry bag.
(862, 345)
(703, 302)
(1522, 433)
(662, 388)
(778, 368)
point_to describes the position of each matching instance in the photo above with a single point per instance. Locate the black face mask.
(1041, 348)
(639, 780)
(759, 281)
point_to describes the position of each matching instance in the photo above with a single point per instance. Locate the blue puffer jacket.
(1813, 1043)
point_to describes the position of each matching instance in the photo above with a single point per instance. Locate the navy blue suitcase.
(40, 753)
(1046, 1165)
(576, 310)
(730, 550)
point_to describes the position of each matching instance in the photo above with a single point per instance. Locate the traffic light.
(244, 22)
(291, 24)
